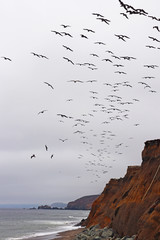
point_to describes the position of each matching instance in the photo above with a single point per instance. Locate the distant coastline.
(47, 207)
(18, 206)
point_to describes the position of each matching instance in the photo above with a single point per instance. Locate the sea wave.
(33, 236)
(73, 217)
(52, 222)
(52, 234)
(37, 225)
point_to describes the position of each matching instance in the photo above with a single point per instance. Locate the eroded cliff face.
(131, 205)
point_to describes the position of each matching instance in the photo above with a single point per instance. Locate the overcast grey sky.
(108, 120)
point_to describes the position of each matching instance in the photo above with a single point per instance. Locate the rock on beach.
(96, 233)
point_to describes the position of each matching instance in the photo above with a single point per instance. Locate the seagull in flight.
(97, 15)
(62, 115)
(76, 81)
(57, 33)
(148, 77)
(39, 55)
(35, 54)
(118, 65)
(68, 60)
(33, 156)
(88, 30)
(63, 140)
(124, 14)
(156, 27)
(104, 20)
(66, 34)
(122, 37)
(150, 66)
(43, 56)
(100, 43)
(128, 58)
(120, 72)
(93, 92)
(107, 60)
(6, 58)
(150, 46)
(152, 91)
(65, 26)
(154, 39)
(49, 85)
(42, 111)
(67, 48)
(83, 36)
(109, 51)
(91, 81)
(92, 68)
(154, 18)
(94, 55)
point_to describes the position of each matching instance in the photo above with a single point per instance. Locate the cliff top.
(152, 142)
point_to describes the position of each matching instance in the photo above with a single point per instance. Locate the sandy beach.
(68, 235)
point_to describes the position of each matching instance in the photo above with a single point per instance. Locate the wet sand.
(68, 235)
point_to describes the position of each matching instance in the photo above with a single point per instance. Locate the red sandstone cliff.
(131, 205)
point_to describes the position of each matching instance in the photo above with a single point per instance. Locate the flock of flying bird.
(116, 107)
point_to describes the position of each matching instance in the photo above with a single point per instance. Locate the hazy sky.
(108, 120)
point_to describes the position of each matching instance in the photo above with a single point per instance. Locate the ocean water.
(20, 224)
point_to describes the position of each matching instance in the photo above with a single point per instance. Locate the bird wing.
(49, 85)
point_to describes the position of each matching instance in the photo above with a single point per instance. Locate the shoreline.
(64, 235)
(68, 235)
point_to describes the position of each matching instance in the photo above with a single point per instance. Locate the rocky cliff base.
(131, 205)
(96, 233)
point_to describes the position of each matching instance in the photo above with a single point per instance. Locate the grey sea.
(20, 224)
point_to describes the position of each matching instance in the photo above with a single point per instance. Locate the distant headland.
(83, 203)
